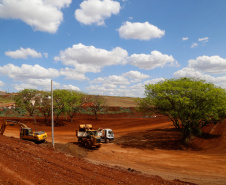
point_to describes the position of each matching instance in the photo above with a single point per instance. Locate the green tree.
(59, 102)
(190, 103)
(45, 105)
(28, 99)
(74, 101)
(97, 103)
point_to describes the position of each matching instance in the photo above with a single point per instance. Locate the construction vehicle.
(87, 137)
(106, 134)
(26, 133)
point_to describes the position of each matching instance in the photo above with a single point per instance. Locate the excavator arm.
(26, 132)
(3, 127)
(11, 123)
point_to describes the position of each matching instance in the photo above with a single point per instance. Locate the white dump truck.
(106, 134)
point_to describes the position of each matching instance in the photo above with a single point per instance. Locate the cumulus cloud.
(135, 76)
(70, 87)
(46, 55)
(26, 72)
(73, 74)
(155, 59)
(20, 87)
(154, 81)
(1, 83)
(103, 90)
(23, 53)
(91, 59)
(194, 45)
(41, 15)
(205, 39)
(213, 64)
(120, 85)
(136, 90)
(191, 72)
(185, 38)
(96, 11)
(114, 80)
(42, 84)
(203, 67)
(141, 31)
(59, 3)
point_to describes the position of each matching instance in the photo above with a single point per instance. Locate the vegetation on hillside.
(68, 103)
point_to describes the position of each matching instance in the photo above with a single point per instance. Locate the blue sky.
(110, 47)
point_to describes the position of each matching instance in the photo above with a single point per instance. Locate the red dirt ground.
(143, 147)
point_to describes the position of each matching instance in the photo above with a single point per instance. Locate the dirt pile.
(69, 148)
(23, 162)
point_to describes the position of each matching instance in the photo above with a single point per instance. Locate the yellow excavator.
(26, 133)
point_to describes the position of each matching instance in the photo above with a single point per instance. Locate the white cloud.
(96, 11)
(91, 59)
(188, 72)
(120, 86)
(46, 55)
(185, 38)
(213, 64)
(194, 45)
(103, 90)
(141, 31)
(135, 76)
(73, 74)
(155, 59)
(70, 87)
(41, 84)
(23, 53)
(59, 3)
(205, 39)
(154, 81)
(191, 72)
(136, 90)
(114, 80)
(20, 87)
(26, 72)
(41, 15)
(1, 83)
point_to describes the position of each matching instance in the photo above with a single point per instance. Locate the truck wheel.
(89, 144)
(83, 143)
(107, 141)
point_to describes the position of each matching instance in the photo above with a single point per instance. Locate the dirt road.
(204, 164)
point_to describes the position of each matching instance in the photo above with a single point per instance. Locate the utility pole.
(52, 113)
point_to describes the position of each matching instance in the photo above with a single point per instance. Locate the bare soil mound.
(23, 162)
(213, 138)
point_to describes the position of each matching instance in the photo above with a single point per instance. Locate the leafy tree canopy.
(189, 102)
(28, 99)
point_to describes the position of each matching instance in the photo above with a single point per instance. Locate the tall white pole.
(52, 113)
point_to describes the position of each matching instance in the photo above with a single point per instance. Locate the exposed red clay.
(151, 155)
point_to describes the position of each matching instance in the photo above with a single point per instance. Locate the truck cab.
(106, 135)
